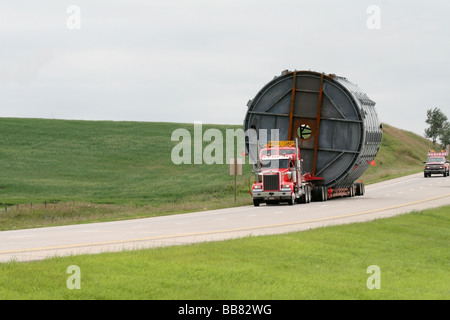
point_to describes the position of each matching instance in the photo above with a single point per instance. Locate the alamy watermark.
(73, 21)
(373, 21)
(74, 281)
(189, 149)
(374, 281)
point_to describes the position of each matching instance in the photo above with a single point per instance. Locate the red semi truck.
(280, 178)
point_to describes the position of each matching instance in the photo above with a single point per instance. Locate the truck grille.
(271, 182)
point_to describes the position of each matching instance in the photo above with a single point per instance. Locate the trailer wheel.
(360, 190)
(352, 191)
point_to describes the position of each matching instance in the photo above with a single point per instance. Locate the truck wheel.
(320, 194)
(308, 194)
(256, 202)
(292, 200)
(302, 198)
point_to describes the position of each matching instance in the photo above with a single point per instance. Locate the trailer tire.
(352, 191)
(360, 190)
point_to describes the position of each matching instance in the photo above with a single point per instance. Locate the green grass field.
(101, 170)
(411, 251)
(106, 162)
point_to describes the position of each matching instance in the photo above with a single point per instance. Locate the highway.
(381, 200)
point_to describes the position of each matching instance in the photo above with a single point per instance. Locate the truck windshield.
(268, 152)
(287, 151)
(435, 160)
(275, 164)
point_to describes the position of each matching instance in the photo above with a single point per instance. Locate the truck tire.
(306, 196)
(324, 193)
(351, 191)
(256, 202)
(320, 194)
(303, 198)
(292, 200)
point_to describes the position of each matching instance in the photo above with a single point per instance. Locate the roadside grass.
(401, 153)
(411, 251)
(57, 214)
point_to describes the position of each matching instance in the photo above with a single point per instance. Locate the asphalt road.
(381, 200)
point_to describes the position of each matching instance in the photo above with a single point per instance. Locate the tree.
(436, 120)
(445, 135)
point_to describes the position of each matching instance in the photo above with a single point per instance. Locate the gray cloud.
(183, 61)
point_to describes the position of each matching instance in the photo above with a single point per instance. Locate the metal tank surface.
(334, 120)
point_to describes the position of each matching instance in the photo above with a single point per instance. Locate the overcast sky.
(183, 61)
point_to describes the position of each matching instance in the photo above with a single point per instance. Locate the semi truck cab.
(279, 177)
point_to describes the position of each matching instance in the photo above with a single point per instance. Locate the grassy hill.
(401, 153)
(125, 169)
(106, 162)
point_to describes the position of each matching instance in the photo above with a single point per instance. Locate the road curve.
(381, 200)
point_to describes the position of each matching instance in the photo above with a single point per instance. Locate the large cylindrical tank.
(334, 120)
